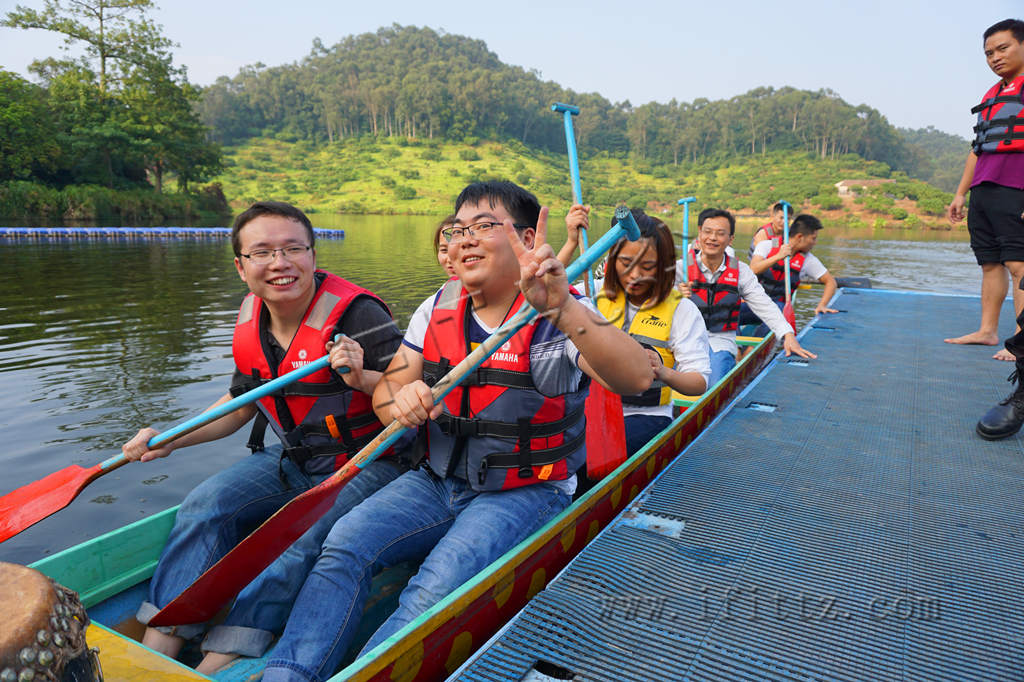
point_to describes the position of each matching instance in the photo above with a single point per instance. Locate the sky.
(919, 63)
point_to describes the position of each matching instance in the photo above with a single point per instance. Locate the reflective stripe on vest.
(498, 431)
(718, 302)
(319, 419)
(651, 327)
(1000, 126)
(774, 278)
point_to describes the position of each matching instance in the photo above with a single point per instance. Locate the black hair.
(777, 207)
(447, 222)
(717, 213)
(665, 250)
(262, 208)
(1014, 26)
(520, 204)
(805, 223)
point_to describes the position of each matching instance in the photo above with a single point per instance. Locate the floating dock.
(133, 232)
(840, 521)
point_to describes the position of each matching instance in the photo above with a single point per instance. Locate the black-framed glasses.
(266, 256)
(482, 229)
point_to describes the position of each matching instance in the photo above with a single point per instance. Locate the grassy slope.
(382, 176)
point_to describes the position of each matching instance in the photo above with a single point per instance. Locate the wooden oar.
(787, 310)
(32, 503)
(204, 598)
(568, 111)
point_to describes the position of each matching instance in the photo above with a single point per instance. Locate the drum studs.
(45, 658)
(43, 637)
(27, 655)
(8, 675)
(58, 639)
(64, 624)
(26, 675)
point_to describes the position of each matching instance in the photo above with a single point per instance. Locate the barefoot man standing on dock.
(994, 175)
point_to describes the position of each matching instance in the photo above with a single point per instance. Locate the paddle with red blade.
(201, 600)
(787, 310)
(32, 503)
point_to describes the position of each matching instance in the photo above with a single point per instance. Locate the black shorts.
(996, 224)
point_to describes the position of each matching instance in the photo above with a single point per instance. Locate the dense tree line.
(121, 116)
(416, 82)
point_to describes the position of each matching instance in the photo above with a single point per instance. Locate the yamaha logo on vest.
(504, 354)
(302, 361)
(655, 322)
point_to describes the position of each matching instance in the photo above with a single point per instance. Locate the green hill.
(415, 176)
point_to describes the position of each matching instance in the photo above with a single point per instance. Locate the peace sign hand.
(542, 277)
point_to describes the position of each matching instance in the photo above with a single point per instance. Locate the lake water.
(99, 337)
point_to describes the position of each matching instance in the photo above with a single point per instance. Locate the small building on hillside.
(849, 188)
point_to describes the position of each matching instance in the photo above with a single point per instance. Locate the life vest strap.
(461, 427)
(649, 398)
(999, 99)
(335, 387)
(301, 454)
(542, 457)
(507, 378)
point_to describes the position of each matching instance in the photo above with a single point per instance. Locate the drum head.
(42, 632)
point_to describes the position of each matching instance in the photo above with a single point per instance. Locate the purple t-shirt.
(1001, 168)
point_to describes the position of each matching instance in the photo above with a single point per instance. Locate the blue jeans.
(457, 530)
(640, 428)
(721, 362)
(219, 513)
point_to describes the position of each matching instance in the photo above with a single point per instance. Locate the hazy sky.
(918, 62)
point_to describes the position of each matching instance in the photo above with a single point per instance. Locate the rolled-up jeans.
(219, 513)
(457, 530)
(721, 362)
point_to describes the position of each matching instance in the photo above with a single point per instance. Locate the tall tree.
(115, 33)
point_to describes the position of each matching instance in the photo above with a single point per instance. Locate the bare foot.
(1005, 356)
(977, 338)
(168, 645)
(213, 661)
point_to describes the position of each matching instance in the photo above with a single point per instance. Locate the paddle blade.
(789, 314)
(221, 582)
(606, 432)
(32, 503)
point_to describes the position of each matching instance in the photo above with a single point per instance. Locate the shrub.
(431, 154)
(899, 213)
(409, 173)
(404, 192)
(387, 181)
(469, 155)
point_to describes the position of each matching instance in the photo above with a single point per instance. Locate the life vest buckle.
(459, 427)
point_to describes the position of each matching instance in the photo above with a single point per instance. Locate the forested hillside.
(417, 83)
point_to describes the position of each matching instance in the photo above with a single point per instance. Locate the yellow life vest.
(651, 328)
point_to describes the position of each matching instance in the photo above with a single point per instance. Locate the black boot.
(1005, 419)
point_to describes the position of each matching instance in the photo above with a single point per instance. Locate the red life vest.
(774, 278)
(498, 430)
(719, 302)
(1000, 126)
(769, 230)
(320, 420)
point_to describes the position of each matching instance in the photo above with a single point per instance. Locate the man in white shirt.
(768, 263)
(716, 281)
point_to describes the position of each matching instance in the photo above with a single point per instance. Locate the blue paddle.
(568, 111)
(685, 203)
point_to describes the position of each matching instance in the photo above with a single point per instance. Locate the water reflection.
(99, 337)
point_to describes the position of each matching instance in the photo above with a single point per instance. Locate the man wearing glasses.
(502, 450)
(291, 315)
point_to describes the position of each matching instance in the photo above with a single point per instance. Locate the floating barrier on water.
(134, 232)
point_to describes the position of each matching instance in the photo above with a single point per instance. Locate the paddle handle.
(625, 226)
(568, 111)
(685, 203)
(785, 240)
